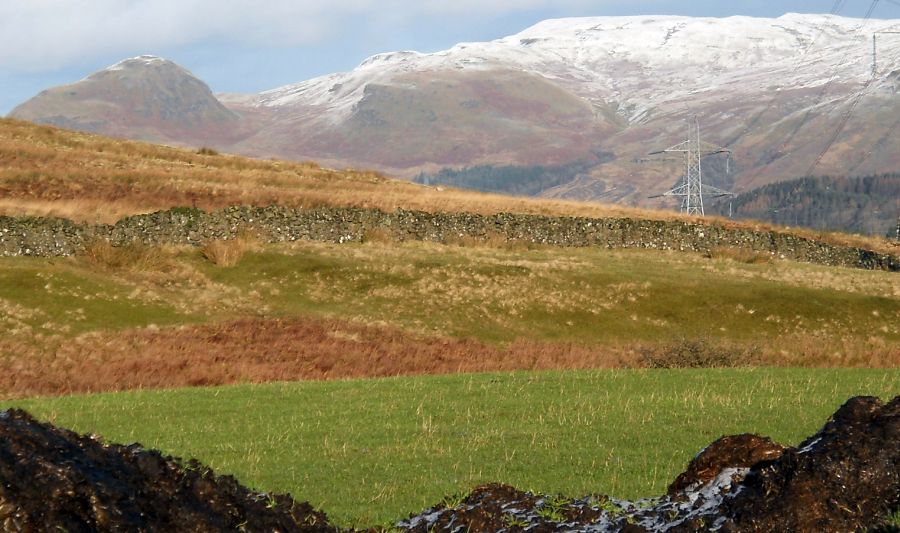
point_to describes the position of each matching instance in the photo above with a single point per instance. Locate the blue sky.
(250, 46)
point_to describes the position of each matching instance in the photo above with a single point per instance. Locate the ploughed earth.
(846, 477)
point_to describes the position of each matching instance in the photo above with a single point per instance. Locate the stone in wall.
(188, 226)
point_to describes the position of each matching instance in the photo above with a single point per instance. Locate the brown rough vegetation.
(264, 350)
(260, 350)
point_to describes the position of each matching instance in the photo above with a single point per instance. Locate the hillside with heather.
(790, 96)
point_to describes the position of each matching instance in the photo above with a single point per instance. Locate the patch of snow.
(643, 63)
(141, 60)
(809, 447)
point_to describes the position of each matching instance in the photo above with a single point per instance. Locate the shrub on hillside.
(228, 252)
(131, 256)
(697, 353)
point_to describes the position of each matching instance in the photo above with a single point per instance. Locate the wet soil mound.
(845, 478)
(839, 479)
(737, 451)
(55, 480)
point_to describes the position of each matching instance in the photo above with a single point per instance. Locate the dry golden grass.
(133, 256)
(46, 171)
(227, 252)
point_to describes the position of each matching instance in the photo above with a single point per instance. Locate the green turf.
(58, 296)
(492, 294)
(582, 295)
(376, 450)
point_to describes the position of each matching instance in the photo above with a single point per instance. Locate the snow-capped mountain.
(603, 92)
(639, 61)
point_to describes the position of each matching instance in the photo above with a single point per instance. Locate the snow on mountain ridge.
(141, 60)
(638, 61)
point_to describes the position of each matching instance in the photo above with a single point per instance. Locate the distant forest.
(514, 180)
(867, 204)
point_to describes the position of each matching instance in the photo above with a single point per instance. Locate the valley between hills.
(377, 347)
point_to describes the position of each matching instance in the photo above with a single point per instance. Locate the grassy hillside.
(376, 450)
(91, 178)
(238, 311)
(45, 170)
(134, 318)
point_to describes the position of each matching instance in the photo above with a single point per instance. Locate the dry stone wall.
(24, 236)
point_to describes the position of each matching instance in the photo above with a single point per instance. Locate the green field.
(372, 451)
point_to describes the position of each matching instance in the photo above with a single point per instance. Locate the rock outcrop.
(55, 237)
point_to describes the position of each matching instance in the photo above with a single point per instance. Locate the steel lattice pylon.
(691, 190)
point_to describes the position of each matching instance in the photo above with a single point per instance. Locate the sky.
(252, 45)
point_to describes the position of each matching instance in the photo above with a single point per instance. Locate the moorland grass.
(584, 295)
(161, 317)
(42, 297)
(371, 451)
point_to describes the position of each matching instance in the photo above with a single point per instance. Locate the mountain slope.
(602, 92)
(441, 118)
(146, 97)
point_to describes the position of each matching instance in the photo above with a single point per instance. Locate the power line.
(809, 111)
(884, 138)
(849, 112)
(835, 9)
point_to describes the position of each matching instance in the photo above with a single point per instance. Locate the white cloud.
(41, 35)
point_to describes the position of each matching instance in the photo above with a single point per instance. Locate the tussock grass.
(741, 255)
(378, 235)
(134, 256)
(228, 252)
(372, 451)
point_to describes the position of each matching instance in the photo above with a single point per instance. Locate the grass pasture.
(371, 451)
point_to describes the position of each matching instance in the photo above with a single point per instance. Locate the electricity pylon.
(691, 190)
(875, 48)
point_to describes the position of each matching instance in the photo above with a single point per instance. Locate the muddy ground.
(845, 478)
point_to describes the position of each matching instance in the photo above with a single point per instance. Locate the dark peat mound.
(845, 478)
(52, 479)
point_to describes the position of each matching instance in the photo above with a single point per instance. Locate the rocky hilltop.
(147, 98)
